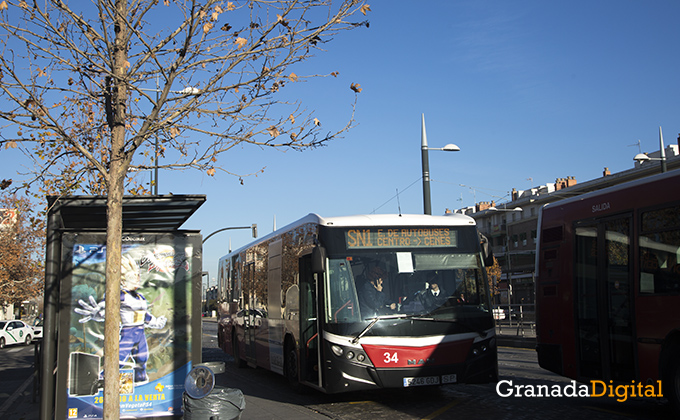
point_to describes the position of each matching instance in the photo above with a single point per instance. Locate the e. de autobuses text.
(399, 237)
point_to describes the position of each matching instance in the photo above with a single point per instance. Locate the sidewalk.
(20, 405)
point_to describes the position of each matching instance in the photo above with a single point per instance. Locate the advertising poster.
(155, 328)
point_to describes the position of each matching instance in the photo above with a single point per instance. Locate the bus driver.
(373, 299)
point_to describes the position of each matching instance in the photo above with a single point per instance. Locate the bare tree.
(92, 90)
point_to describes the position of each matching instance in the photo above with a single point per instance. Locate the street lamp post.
(189, 90)
(427, 206)
(641, 157)
(252, 227)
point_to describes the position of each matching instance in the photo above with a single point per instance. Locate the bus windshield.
(420, 283)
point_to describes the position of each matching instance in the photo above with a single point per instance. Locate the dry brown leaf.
(3, 5)
(293, 77)
(211, 171)
(207, 27)
(273, 131)
(291, 117)
(230, 6)
(11, 145)
(317, 122)
(365, 8)
(240, 42)
(355, 87)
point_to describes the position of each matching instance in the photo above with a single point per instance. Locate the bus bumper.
(346, 376)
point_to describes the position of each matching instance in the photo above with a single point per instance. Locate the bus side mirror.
(487, 253)
(318, 259)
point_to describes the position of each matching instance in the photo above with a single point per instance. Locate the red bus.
(608, 285)
(361, 302)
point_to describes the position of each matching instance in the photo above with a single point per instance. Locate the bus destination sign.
(366, 238)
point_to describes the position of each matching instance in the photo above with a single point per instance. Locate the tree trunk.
(114, 220)
(117, 97)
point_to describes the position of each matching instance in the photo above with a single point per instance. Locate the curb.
(522, 343)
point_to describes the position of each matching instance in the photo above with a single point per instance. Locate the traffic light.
(254, 227)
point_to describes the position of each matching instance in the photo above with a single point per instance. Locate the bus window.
(433, 284)
(660, 251)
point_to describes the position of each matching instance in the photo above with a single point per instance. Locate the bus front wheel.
(291, 365)
(674, 382)
(238, 362)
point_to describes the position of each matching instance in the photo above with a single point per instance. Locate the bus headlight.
(353, 355)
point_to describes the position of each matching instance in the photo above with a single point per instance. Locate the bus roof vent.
(553, 234)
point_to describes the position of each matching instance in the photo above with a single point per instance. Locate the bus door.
(310, 357)
(249, 314)
(603, 292)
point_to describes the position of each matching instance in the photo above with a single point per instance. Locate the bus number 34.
(391, 358)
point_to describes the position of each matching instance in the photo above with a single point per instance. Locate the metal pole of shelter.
(51, 300)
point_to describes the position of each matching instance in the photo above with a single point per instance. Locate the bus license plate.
(421, 381)
(449, 379)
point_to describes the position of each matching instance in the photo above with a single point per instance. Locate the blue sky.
(530, 91)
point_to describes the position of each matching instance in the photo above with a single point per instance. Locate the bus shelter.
(160, 306)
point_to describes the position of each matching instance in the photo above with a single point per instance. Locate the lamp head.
(451, 148)
(641, 157)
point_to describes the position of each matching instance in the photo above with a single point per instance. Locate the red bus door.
(604, 292)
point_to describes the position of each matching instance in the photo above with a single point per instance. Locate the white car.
(38, 329)
(15, 332)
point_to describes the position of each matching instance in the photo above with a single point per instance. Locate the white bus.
(362, 302)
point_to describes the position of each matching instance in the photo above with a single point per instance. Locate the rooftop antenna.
(274, 224)
(638, 145)
(398, 202)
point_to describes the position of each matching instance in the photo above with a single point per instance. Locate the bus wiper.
(373, 322)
